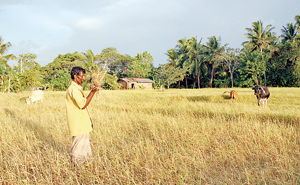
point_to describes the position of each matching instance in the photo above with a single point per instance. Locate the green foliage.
(251, 69)
(173, 57)
(196, 58)
(67, 61)
(222, 83)
(60, 81)
(141, 65)
(6, 73)
(259, 37)
(117, 63)
(168, 74)
(110, 82)
(29, 78)
(56, 75)
(283, 66)
(262, 39)
(289, 32)
(89, 59)
(27, 62)
(27, 73)
(213, 52)
(231, 61)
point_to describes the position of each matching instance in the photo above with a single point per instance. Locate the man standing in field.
(79, 120)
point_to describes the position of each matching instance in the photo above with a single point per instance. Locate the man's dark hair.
(76, 70)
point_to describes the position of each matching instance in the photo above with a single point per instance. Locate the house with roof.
(135, 83)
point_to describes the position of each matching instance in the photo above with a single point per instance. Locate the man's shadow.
(40, 132)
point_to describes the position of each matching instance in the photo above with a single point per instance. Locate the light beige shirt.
(79, 120)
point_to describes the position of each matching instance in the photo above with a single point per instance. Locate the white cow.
(35, 96)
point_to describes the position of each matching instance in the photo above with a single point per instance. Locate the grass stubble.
(155, 137)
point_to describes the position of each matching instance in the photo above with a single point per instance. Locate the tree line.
(264, 59)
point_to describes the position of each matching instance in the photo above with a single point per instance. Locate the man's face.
(79, 78)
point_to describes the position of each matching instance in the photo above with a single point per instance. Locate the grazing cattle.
(262, 94)
(233, 94)
(35, 96)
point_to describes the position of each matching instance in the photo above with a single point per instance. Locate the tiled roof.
(143, 80)
(138, 80)
(126, 80)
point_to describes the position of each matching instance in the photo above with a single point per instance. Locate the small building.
(136, 83)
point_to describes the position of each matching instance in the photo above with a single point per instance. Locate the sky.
(49, 28)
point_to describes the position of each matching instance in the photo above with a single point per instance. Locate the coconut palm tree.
(260, 38)
(297, 18)
(90, 60)
(7, 69)
(182, 53)
(289, 32)
(172, 57)
(195, 57)
(3, 49)
(181, 49)
(213, 51)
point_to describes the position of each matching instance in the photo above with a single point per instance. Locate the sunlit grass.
(156, 137)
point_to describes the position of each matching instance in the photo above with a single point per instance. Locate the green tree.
(90, 60)
(297, 18)
(61, 80)
(27, 62)
(283, 61)
(190, 55)
(172, 57)
(196, 52)
(293, 57)
(63, 62)
(116, 62)
(141, 65)
(6, 73)
(28, 72)
(54, 73)
(110, 82)
(67, 61)
(231, 61)
(123, 65)
(168, 74)
(289, 32)
(250, 68)
(182, 53)
(213, 52)
(259, 39)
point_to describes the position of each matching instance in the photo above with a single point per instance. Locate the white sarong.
(81, 148)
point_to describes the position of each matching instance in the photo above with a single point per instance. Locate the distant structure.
(136, 83)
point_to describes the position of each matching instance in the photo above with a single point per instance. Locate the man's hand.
(96, 87)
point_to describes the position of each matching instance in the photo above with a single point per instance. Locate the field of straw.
(155, 137)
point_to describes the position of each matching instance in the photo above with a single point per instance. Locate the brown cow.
(233, 94)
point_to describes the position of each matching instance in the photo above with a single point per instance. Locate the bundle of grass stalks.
(97, 75)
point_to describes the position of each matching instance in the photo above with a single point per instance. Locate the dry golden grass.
(156, 137)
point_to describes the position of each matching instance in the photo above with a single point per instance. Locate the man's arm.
(90, 97)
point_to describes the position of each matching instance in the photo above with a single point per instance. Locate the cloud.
(90, 24)
(25, 46)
